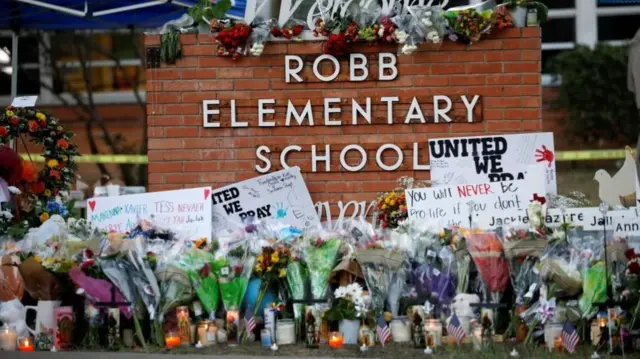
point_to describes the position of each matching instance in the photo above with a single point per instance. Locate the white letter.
(355, 109)
(283, 154)
(390, 101)
(288, 71)
(264, 159)
(336, 68)
(343, 156)
(390, 65)
(416, 165)
(361, 66)
(233, 117)
(415, 112)
(328, 110)
(396, 165)
(265, 111)
(326, 208)
(470, 106)
(315, 158)
(307, 112)
(437, 111)
(206, 112)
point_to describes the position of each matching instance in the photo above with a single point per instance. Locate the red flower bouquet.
(488, 254)
(233, 39)
(340, 33)
(288, 31)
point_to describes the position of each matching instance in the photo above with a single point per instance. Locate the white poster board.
(589, 218)
(463, 160)
(278, 197)
(186, 212)
(439, 207)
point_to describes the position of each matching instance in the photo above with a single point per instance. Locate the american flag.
(570, 337)
(383, 331)
(249, 321)
(455, 329)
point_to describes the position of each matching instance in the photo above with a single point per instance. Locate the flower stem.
(136, 323)
(261, 294)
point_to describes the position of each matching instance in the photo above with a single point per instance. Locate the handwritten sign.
(24, 101)
(278, 197)
(187, 211)
(451, 205)
(463, 160)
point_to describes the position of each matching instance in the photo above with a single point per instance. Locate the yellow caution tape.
(588, 155)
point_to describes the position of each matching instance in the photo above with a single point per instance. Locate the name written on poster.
(363, 111)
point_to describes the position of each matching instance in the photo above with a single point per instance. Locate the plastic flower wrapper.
(259, 36)
(292, 29)
(11, 283)
(271, 268)
(320, 253)
(375, 24)
(435, 25)
(560, 268)
(436, 279)
(233, 276)
(201, 268)
(411, 29)
(95, 319)
(297, 278)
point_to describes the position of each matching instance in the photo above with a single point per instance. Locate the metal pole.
(14, 73)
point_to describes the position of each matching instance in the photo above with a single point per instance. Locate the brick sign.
(353, 125)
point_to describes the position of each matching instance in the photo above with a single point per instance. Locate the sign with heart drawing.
(187, 212)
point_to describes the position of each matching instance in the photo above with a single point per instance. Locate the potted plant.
(348, 303)
(518, 11)
(205, 10)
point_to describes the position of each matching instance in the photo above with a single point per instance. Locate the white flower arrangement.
(401, 36)
(536, 213)
(409, 49)
(257, 49)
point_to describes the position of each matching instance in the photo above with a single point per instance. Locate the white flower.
(427, 22)
(401, 36)
(558, 234)
(6, 214)
(14, 190)
(433, 36)
(341, 292)
(257, 49)
(381, 32)
(535, 221)
(409, 49)
(427, 14)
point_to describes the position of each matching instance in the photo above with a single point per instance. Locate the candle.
(193, 333)
(233, 320)
(336, 340)
(285, 332)
(203, 332)
(26, 345)
(557, 344)
(8, 338)
(184, 325)
(433, 328)
(212, 333)
(596, 332)
(477, 338)
(265, 338)
(400, 330)
(172, 340)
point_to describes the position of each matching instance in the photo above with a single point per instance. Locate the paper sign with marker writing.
(278, 197)
(464, 160)
(187, 212)
(589, 218)
(24, 101)
(626, 226)
(439, 207)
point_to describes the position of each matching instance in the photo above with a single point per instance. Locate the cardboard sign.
(187, 211)
(589, 218)
(440, 207)
(278, 197)
(24, 101)
(463, 160)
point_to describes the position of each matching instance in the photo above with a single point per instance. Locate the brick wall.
(504, 70)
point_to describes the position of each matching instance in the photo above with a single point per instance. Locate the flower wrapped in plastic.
(560, 268)
(233, 276)
(375, 24)
(434, 24)
(11, 283)
(232, 39)
(340, 30)
(469, 25)
(200, 268)
(291, 30)
(411, 30)
(259, 36)
(297, 277)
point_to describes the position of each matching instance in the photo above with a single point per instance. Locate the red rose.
(634, 268)
(15, 120)
(62, 143)
(3, 131)
(33, 126)
(630, 254)
(38, 187)
(55, 174)
(275, 31)
(88, 253)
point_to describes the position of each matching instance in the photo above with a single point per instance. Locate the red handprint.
(544, 155)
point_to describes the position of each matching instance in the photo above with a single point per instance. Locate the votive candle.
(26, 345)
(8, 338)
(336, 340)
(172, 340)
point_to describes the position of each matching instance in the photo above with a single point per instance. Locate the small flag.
(383, 331)
(570, 337)
(455, 329)
(249, 321)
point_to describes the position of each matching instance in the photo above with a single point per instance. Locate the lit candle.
(336, 340)
(557, 344)
(172, 340)
(203, 332)
(433, 328)
(8, 338)
(477, 338)
(184, 325)
(26, 345)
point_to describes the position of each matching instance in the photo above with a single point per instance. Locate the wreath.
(39, 199)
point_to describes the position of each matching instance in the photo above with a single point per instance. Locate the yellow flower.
(37, 258)
(47, 192)
(392, 203)
(282, 273)
(275, 257)
(442, 234)
(44, 217)
(9, 113)
(384, 206)
(52, 163)
(260, 258)
(269, 268)
(41, 116)
(258, 268)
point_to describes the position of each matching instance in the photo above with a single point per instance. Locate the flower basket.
(524, 248)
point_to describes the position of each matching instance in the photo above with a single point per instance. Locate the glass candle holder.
(433, 328)
(184, 325)
(8, 338)
(336, 340)
(265, 338)
(476, 338)
(26, 345)
(203, 332)
(172, 340)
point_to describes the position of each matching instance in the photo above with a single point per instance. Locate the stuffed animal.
(461, 306)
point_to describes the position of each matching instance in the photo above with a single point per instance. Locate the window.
(29, 68)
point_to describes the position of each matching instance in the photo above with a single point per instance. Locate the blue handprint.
(281, 210)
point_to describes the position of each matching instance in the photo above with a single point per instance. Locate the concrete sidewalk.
(128, 355)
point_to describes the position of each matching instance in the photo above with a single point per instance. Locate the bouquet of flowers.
(297, 281)
(11, 283)
(200, 268)
(292, 29)
(320, 253)
(502, 18)
(468, 25)
(340, 32)
(434, 23)
(560, 269)
(39, 282)
(259, 36)
(233, 276)
(271, 268)
(376, 25)
(233, 39)
(392, 208)
(411, 30)
(348, 303)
